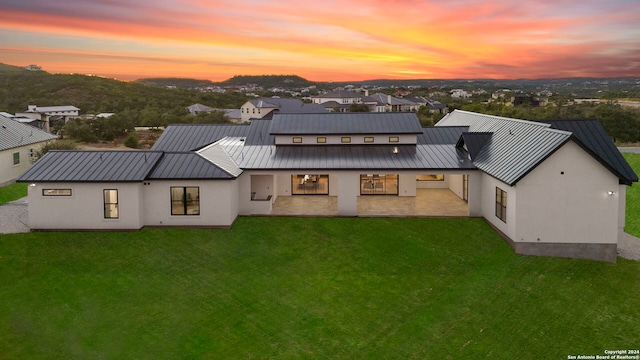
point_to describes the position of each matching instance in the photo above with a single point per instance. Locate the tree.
(55, 145)
(358, 108)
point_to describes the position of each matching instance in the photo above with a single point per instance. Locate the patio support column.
(348, 190)
(474, 195)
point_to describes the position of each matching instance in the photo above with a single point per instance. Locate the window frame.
(16, 158)
(394, 139)
(501, 204)
(56, 194)
(369, 139)
(184, 200)
(345, 140)
(116, 209)
(321, 140)
(296, 139)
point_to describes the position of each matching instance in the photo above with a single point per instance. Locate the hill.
(20, 87)
(180, 83)
(269, 81)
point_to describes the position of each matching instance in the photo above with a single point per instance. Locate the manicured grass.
(12, 192)
(633, 198)
(314, 288)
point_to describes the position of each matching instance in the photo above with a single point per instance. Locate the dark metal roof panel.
(516, 146)
(346, 123)
(591, 134)
(190, 137)
(187, 166)
(441, 134)
(258, 133)
(475, 142)
(14, 134)
(420, 157)
(92, 166)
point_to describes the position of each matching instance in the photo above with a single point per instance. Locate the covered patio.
(426, 203)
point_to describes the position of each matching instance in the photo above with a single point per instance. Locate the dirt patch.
(146, 139)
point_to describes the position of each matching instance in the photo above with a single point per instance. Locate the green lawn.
(633, 198)
(318, 288)
(12, 192)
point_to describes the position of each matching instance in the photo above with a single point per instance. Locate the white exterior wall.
(355, 139)
(219, 203)
(250, 111)
(565, 200)
(84, 209)
(8, 171)
(487, 192)
(622, 210)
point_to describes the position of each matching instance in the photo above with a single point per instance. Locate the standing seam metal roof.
(14, 134)
(516, 146)
(92, 166)
(346, 123)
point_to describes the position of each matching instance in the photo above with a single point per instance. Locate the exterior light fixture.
(395, 150)
(32, 185)
(611, 193)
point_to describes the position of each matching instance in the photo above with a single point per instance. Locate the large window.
(185, 200)
(501, 204)
(430, 177)
(56, 192)
(16, 158)
(378, 184)
(309, 184)
(110, 204)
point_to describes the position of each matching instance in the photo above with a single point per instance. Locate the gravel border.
(629, 247)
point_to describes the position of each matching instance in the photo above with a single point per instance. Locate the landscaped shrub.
(132, 141)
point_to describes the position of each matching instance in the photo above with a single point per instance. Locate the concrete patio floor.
(426, 203)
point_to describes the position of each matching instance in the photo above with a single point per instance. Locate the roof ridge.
(497, 117)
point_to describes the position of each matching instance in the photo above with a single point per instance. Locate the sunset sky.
(324, 40)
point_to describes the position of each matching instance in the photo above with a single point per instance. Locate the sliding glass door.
(378, 184)
(309, 184)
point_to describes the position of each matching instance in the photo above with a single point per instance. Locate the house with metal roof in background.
(18, 145)
(46, 115)
(266, 107)
(554, 188)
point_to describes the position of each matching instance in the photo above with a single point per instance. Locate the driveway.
(14, 217)
(635, 150)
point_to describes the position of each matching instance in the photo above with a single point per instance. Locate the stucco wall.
(218, 203)
(565, 200)
(8, 171)
(84, 209)
(488, 186)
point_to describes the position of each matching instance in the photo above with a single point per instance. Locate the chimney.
(32, 108)
(388, 99)
(366, 93)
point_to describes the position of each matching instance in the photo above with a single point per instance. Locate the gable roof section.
(190, 137)
(14, 134)
(92, 166)
(474, 142)
(217, 154)
(441, 134)
(187, 165)
(516, 146)
(346, 123)
(592, 136)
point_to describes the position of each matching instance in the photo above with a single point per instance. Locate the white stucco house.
(18, 144)
(266, 107)
(48, 114)
(555, 188)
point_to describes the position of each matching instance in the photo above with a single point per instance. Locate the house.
(18, 144)
(555, 188)
(388, 103)
(459, 93)
(46, 115)
(196, 109)
(267, 107)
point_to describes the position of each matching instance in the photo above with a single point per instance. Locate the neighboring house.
(388, 103)
(528, 99)
(196, 109)
(459, 93)
(344, 97)
(18, 144)
(266, 107)
(48, 114)
(555, 188)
